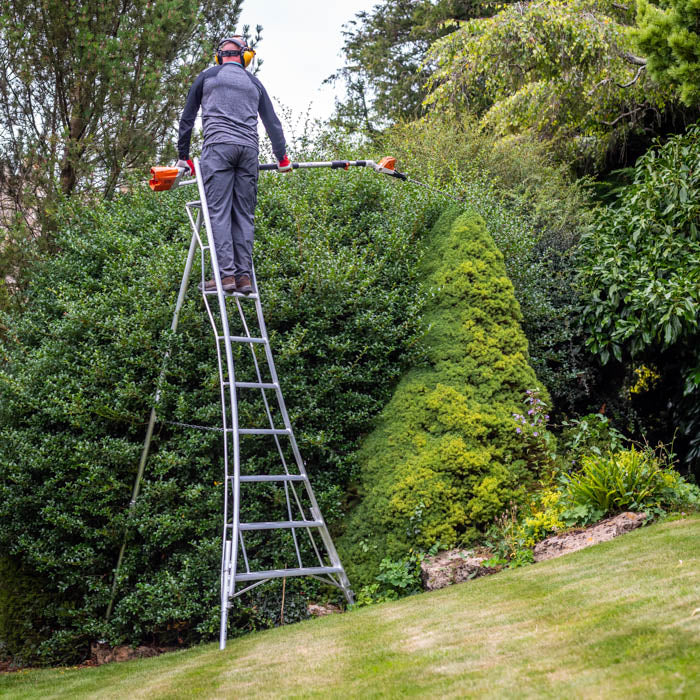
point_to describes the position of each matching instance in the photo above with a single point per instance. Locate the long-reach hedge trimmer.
(165, 178)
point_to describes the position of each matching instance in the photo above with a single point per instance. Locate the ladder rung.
(281, 525)
(254, 385)
(273, 477)
(242, 339)
(282, 573)
(264, 431)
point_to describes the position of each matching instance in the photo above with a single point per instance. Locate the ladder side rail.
(212, 321)
(280, 451)
(315, 510)
(225, 549)
(226, 572)
(228, 589)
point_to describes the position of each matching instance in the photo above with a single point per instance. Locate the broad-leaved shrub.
(336, 257)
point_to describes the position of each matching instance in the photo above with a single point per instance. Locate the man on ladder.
(231, 99)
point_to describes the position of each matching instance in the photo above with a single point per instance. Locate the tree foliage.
(89, 89)
(564, 70)
(385, 72)
(669, 36)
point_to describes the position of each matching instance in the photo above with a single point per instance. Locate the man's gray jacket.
(231, 99)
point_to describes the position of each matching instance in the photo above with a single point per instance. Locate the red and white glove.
(285, 165)
(185, 164)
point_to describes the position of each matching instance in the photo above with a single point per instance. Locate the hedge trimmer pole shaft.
(170, 178)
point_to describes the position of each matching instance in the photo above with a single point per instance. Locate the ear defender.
(244, 51)
(248, 56)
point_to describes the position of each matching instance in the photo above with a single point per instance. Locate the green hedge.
(446, 458)
(336, 256)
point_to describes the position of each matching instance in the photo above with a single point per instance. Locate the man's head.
(234, 49)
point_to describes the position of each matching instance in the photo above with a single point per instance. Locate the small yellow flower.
(647, 377)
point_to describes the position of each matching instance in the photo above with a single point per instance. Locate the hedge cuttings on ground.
(336, 257)
(446, 457)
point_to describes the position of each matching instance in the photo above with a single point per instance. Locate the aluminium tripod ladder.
(302, 511)
(299, 501)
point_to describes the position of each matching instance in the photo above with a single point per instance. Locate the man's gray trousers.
(230, 174)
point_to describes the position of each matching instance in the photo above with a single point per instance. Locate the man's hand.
(285, 165)
(185, 164)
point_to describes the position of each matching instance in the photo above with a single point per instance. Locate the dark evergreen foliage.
(639, 272)
(335, 255)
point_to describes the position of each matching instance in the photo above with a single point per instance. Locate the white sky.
(301, 47)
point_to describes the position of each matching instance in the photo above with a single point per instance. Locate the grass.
(612, 621)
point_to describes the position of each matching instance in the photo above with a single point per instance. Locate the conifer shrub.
(445, 458)
(535, 214)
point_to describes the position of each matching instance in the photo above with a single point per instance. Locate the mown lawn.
(612, 621)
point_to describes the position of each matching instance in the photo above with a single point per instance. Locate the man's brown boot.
(243, 284)
(228, 283)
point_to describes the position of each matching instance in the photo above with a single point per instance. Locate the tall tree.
(566, 71)
(89, 88)
(384, 72)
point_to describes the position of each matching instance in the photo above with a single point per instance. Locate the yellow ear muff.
(245, 52)
(247, 55)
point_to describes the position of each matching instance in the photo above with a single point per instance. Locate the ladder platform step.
(238, 295)
(242, 339)
(272, 477)
(254, 385)
(281, 525)
(264, 431)
(283, 573)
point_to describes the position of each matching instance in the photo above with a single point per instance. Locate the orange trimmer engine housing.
(388, 162)
(163, 178)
